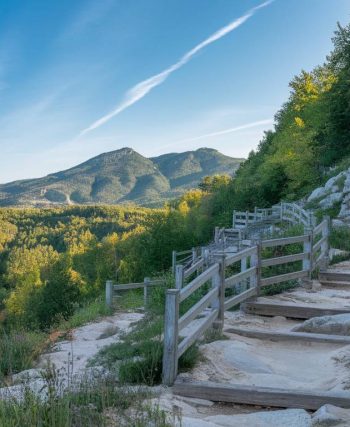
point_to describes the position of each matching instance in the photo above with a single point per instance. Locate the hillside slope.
(120, 176)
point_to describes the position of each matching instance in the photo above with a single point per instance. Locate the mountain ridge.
(120, 176)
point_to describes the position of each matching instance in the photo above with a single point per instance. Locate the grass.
(18, 350)
(340, 238)
(137, 358)
(98, 403)
(85, 314)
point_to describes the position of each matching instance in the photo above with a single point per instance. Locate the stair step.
(334, 276)
(334, 284)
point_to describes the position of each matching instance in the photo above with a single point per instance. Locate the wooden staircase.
(334, 278)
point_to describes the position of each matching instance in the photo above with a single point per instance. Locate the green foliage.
(137, 358)
(90, 403)
(18, 350)
(340, 238)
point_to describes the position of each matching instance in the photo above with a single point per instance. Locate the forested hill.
(120, 176)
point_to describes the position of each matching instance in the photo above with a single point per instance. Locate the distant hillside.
(120, 176)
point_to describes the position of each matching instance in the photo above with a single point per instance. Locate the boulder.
(329, 415)
(338, 324)
(318, 193)
(330, 200)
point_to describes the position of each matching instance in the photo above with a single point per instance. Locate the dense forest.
(54, 260)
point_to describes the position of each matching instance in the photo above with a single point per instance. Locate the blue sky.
(70, 74)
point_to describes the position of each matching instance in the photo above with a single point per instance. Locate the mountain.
(120, 176)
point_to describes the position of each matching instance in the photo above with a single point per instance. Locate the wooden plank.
(284, 241)
(198, 281)
(290, 310)
(171, 336)
(129, 286)
(239, 277)
(262, 396)
(283, 278)
(334, 284)
(319, 228)
(189, 340)
(194, 311)
(290, 336)
(318, 244)
(335, 276)
(283, 259)
(237, 299)
(193, 268)
(231, 259)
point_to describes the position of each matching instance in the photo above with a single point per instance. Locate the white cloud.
(258, 123)
(143, 88)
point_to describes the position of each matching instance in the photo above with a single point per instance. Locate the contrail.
(143, 88)
(230, 130)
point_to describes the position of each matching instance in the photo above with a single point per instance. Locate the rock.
(330, 200)
(329, 415)
(338, 324)
(318, 193)
(338, 223)
(282, 418)
(26, 376)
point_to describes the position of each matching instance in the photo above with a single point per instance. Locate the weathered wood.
(262, 396)
(319, 243)
(179, 276)
(218, 282)
(147, 282)
(335, 276)
(190, 339)
(289, 310)
(198, 281)
(237, 299)
(233, 280)
(283, 259)
(284, 277)
(319, 228)
(197, 309)
(193, 268)
(171, 336)
(290, 336)
(109, 293)
(283, 241)
(140, 285)
(334, 284)
(231, 259)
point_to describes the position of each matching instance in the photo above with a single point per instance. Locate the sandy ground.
(86, 342)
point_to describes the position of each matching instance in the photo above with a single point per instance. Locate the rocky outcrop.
(336, 191)
(335, 325)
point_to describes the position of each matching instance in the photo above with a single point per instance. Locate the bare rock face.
(335, 325)
(282, 418)
(336, 190)
(329, 415)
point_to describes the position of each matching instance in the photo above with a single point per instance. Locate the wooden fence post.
(194, 255)
(256, 262)
(109, 293)
(171, 336)
(243, 285)
(173, 262)
(308, 262)
(179, 276)
(146, 281)
(218, 281)
(325, 246)
(233, 219)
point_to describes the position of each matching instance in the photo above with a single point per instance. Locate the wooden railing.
(112, 289)
(246, 282)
